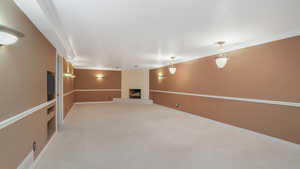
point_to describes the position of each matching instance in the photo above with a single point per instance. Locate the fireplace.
(134, 93)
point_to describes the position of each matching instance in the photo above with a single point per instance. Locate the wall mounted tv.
(50, 85)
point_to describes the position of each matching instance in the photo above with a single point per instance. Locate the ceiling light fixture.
(221, 59)
(9, 36)
(172, 68)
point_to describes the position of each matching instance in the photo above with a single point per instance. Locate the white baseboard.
(69, 112)
(136, 101)
(42, 152)
(27, 162)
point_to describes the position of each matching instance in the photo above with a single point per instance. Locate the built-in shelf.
(51, 115)
(51, 121)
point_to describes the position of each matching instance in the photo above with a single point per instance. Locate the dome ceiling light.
(9, 36)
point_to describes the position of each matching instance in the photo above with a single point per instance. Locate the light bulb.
(172, 70)
(221, 61)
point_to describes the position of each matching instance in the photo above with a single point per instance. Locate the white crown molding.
(282, 103)
(253, 43)
(95, 68)
(24, 114)
(210, 53)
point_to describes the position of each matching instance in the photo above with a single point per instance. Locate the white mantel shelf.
(136, 101)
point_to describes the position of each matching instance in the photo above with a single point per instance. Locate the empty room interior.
(149, 84)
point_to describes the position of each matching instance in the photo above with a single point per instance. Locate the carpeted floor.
(136, 136)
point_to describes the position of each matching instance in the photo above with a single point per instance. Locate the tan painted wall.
(86, 79)
(135, 79)
(23, 69)
(68, 87)
(269, 71)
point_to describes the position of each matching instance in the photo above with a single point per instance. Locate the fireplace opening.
(134, 93)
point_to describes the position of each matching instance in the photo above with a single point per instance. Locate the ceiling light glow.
(7, 38)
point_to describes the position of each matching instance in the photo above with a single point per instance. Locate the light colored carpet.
(134, 136)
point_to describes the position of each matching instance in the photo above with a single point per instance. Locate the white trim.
(43, 151)
(248, 44)
(71, 92)
(96, 90)
(292, 104)
(95, 68)
(70, 111)
(24, 114)
(93, 102)
(59, 92)
(279, 36)
(27, 162)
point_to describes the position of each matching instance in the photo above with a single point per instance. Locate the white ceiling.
(105, 34)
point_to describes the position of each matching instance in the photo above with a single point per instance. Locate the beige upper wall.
(86, 79)
(23, 85)
(269, 71)
(135, 79)
(23, 65)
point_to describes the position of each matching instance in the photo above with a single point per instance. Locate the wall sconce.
(68, 74)
(99, 76)
(222, 59)
(9, 36)
(161, 76)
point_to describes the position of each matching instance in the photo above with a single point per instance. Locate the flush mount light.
(172, 68)
(221, 59)
(9, 36)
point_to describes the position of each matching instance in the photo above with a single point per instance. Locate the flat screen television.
(50, 85)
